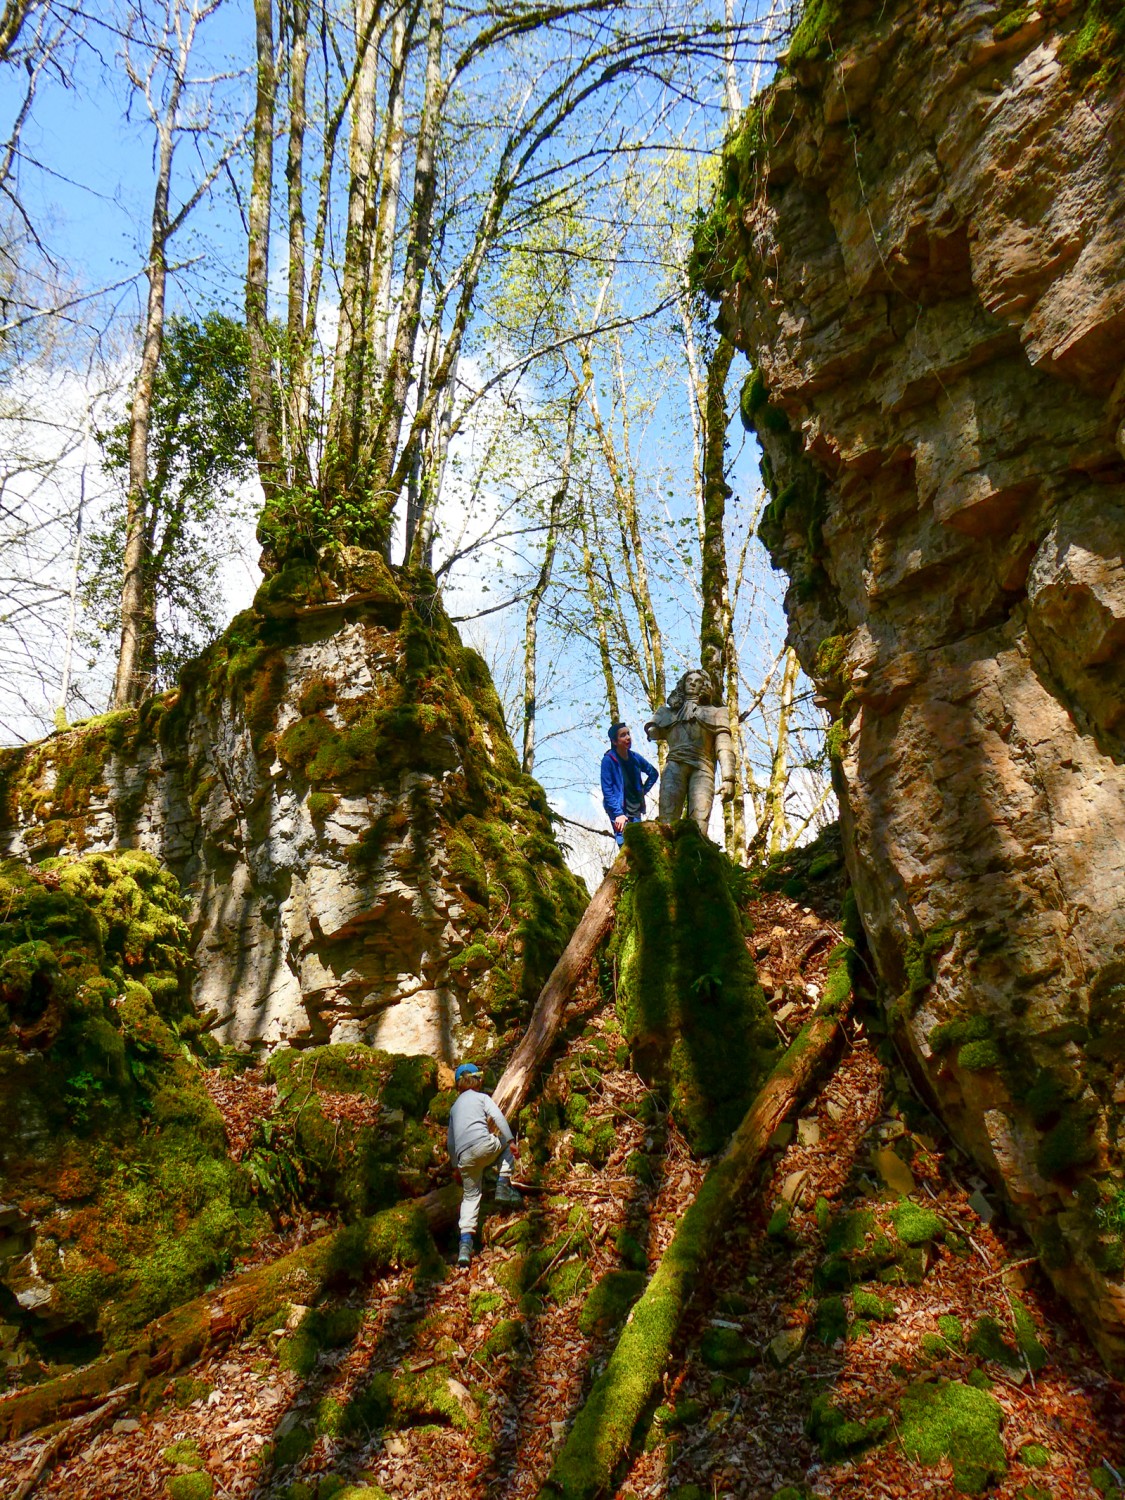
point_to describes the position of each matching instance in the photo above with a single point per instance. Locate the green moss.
(755, 408)
(190, 1487)
(185, 1452)
(918, 964)
(915, 1225)
(1026, 1336)
(508, 1335)
(840, 1436)
(610, 1300)
(630, 1249)
(482, 1304)
(292, 1446)
(951, 1330)
(322, 805)
(688, 1000)
(121, 1125)
(812, 38)
(1035, 1455)
(320, 1329)
(975, 1057)
(1070, 1143)
(1098, 46)
(726, 1349)
(947, 1420)
(987, 1340)
(871, 1307)
(301, 1154)
(830, 1323)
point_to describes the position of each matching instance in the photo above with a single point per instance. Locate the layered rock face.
(335, 789)
(921, 248)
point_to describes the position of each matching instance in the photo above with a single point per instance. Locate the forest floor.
(461, 1383)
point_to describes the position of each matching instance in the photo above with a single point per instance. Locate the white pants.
(472, 1164)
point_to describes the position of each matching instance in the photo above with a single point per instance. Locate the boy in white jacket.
(478, 1134)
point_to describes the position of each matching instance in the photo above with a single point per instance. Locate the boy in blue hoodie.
(478, 1134)
(626, 780)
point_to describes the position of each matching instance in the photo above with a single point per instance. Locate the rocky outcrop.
(334, 788)
(920, 246)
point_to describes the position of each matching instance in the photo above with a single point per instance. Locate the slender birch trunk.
(599, 612)
(137, 600)
(400, 364)
(267, 446)
(540, 587)
(346, 408)
(774, 810)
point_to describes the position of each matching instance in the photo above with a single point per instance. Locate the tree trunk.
(718, 651)
(391, 400)
(260, 367)
(604, 1427)
(539, 590)
(345, 414)
(713, 577)
(515, 1082)
(598, 609)
(774, 811)
(137, 623)
(298, 343)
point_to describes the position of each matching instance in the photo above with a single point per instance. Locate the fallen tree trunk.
(398, 1236)
(536, 1043)
(604, 1427)
(71, 1434)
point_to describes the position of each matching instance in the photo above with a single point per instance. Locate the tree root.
(604, 1427)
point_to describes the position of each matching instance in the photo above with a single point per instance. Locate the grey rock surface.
(925, 262)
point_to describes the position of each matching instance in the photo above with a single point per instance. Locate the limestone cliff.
(334, 788)
(920, 245)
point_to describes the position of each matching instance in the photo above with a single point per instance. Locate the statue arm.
(661, 722)
(724, 753)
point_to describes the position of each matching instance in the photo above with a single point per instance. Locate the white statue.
(697, 732)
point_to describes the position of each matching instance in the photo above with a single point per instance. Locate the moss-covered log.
(397, 1237)
(605, 1425)
(538, 1039)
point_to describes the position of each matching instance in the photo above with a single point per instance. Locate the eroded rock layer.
(335, 789)
(921, 248)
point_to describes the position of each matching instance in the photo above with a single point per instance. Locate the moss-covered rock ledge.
(334, 786)
(119, 1198)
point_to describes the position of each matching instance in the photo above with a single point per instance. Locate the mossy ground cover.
(112, 1153)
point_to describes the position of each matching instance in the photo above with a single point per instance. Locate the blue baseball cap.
(466, 1070)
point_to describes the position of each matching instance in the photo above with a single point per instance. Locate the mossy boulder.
(316, 1150)
(111, 1146)
(838, 1435)
(688, 1000)
(945, 1419)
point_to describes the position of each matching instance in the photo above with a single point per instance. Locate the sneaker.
(506, 1193)
(465, 1250)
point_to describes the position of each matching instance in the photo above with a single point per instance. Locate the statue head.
(695, 683)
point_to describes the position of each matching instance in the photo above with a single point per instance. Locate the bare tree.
(157, 55)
